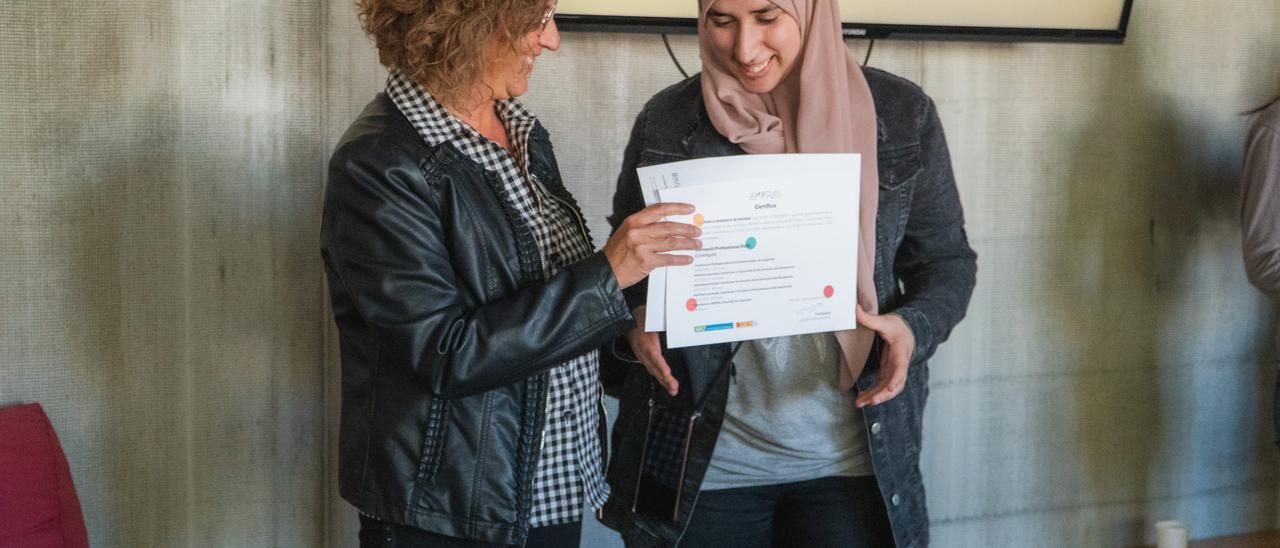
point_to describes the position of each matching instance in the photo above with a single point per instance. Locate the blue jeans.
(827, 512)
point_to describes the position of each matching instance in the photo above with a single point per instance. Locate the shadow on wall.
(107, 228)
(125, 252)
(1160, 417)
(186, 226)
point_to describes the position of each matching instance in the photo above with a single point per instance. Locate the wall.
(160, 291)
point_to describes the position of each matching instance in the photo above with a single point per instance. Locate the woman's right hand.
(639, 244)
(648, 349)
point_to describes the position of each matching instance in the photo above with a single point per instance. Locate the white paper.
(779, 257)
(840, 169)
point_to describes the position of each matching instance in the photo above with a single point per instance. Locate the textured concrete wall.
(160, 289)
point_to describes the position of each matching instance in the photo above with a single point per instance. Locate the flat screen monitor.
(993, 20)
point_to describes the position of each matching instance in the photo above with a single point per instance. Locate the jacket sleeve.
(383, 243)
(937, 267)
(1260, 209)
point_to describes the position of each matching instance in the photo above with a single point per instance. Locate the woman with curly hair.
(468, 298)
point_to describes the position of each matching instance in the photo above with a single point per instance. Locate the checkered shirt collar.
(435, 123)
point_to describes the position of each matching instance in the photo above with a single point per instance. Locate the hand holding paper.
(640, 243)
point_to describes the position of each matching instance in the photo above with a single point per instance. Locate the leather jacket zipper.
(546, 407)
(684, 464)
(542, 444)
(604, 413)
(644, 450)
(576, 216)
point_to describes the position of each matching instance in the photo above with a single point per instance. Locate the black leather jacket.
(925, 271)
(447, 329)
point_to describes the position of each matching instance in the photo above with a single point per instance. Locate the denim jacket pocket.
(899, 166)
(652, 157)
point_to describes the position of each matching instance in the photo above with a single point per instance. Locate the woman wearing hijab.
(811, 440)
(469, 302)
(1260, 192)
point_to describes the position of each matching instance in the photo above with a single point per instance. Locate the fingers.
(893, 380)
(674, 244)
(660, 261)
(891, 328)
(649, 350)
(876, 323)
(666, 236)
(657, 212)
(666, 229)
(660, 371)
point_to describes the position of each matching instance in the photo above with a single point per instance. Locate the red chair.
(38, 503)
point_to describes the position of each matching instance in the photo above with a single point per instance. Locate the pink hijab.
(824, 106)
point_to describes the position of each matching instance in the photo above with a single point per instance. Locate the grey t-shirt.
(787, 419)
(1261, 202)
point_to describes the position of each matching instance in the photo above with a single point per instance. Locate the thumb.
(869, 320)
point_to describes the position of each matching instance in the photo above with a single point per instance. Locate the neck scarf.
(823, 106)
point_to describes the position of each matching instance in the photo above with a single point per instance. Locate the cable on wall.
(667, 43)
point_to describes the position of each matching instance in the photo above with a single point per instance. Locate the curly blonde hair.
(445, 45)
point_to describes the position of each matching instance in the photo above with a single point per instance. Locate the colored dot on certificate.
(698, 219)
(828, 291)
(691, 304)
(751, 242)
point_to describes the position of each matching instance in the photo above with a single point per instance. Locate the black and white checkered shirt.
(570, 469)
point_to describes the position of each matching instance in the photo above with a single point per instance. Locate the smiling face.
(755, 41)
(509, 75)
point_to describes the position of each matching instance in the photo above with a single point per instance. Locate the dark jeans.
(376, 533)
(826, 512)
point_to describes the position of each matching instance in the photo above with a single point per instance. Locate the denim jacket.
(925, 271)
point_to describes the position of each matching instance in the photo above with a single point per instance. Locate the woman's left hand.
(895, 360)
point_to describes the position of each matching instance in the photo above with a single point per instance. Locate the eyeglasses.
(546, 19)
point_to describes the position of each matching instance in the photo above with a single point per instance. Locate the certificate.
(841, 168)
(779, 255)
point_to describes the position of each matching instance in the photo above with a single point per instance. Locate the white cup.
(1171, 534)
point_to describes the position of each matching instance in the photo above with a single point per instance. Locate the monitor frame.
(679, 25)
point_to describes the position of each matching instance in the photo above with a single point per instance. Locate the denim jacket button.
(895, 499)
(875, 428)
